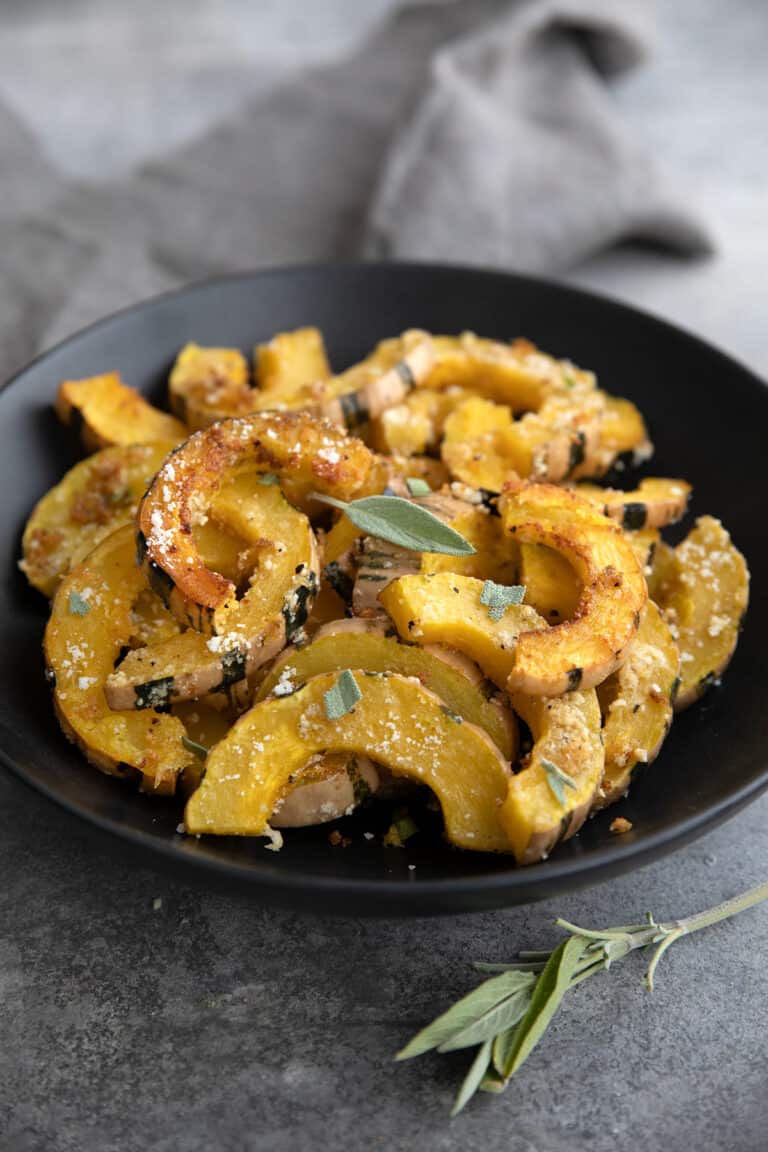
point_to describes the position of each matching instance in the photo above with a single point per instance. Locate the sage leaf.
(269, 478)
(558, 781)
(477, 1071)
(417, 486)
(192, 746)
(77, 605)
(342, 697)
(504, 1015)
(403, 523)
(498, 597)
(510, 1050)
(464, 1012)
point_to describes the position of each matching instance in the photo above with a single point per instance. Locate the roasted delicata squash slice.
(515, 374)
(636, 702)
(550, 798)
(416, 425)
(653, 504)
(644, 543)
(383, 380)
(494, 558)
(551, 584)
(289, 365)
(351, 399)
(485, 447)
(584, 650)
(206, 722)
(372, 646)
(622, 433)
(91, 501)
(660, 570)
(396, 720)
(445, 608)
(106, 411)
(209, 384)
(90, 624)
(703, 593)
(282, 585)
(305, 454)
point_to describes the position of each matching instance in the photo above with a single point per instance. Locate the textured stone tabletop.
(138, 1013)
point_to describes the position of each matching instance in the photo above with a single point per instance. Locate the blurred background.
(616, 143)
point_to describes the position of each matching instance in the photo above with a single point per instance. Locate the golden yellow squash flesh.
(703, 590)
(94, 498)
(566, 740)
(484, 447)
(371, 646)
(636, 702)
(89, 625)
(287, 365)
(551, 584)
(108, 412)
(306, 454)
(516, 374)
(445, 608)
(282, 583)
(397, 721)
(494, 557)
(209, 384)
(582, 651)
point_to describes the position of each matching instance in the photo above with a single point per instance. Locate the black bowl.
(707, 416)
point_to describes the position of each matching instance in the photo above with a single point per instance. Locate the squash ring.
(654, 503)
(583, 651)
(397, 721)
(307, 454)
(703, 591)
(94, 498)
(89, 624)
(283, 584)
(636, 702)
(372, 645)
(444, 608)
(105, 411)
(566, 734)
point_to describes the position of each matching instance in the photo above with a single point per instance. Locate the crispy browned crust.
(305, 453)
(583, 651)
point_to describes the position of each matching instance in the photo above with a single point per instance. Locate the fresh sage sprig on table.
(400, 522)
(508, 1014)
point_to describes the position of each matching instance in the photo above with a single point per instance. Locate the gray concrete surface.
(210, 1023)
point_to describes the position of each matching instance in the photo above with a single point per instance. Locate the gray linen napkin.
(480, 131)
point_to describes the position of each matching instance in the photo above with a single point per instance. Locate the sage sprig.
(402, 523)
(508, 1014)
